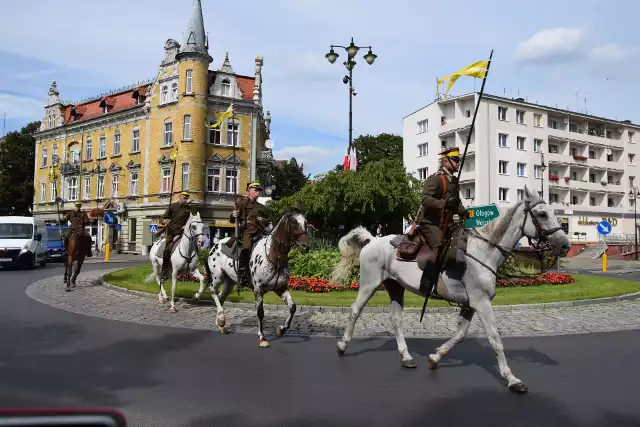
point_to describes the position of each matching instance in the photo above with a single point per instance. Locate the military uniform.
(252, 219)
(78, 220)
(176, 216)
(437, 203)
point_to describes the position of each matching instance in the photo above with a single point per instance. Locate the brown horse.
(75, 253)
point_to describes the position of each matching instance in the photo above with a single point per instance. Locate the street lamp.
(634, 193)
(352, 51)
(543, 167)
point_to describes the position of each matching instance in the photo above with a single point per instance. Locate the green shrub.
(317, 264)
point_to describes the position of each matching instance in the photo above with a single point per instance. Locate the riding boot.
(429, 278)
(166, 262)
(244, 275)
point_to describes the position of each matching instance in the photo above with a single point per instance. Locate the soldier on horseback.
(78, 221)
(173, 221)
(439, 198)
(252, 219)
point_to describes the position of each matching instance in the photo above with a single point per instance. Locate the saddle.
(163, 244)
(413, 249)
(229, 248)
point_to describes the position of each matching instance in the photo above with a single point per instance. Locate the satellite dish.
(608, 151)
(268, 143)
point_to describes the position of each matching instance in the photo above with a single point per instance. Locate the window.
(135, 142)
(422, 150)
(631, 134)
(537, 120)
(213, 179)
(537, 171)
(72, 189)
(522, 169)
(553, 124)
(133, 184)
(54, 155)
(115, 185)
(165, 95)
(573, 127)
(102, 150)
(43, 192)
(232, 134)
(631, 180)
(87, 188)
(502, 140)
(521, 140)
(609, 134)
(168, 133)
(592, 154)
(116, 144)
(574, 176)
(592, 177)
(503, 194)
(214, 134)
(100, 186)
(74, 154)
(520, 194)
(231, 181)
(502, 167)
(520, 117)
(467, 193)
(422, 173)
(165, 185)
(88, 149)
(53, 191)
(553, 149)
(44, 157)
(554, 198)
(467, 113)
(502, 113)
(537, 145)
(174, 92)
(185, 176)
(187, 128)
(423, 126)
(226, 88)
(632, 159)
(469, 166)
(574, 151)
(610, 157)
(609, 202)
(574, 200)
(132, 229)
(592, 201)
(189, 87)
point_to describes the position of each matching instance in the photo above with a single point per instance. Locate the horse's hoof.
(68, 289)
(196, 296)
(339, 351)
(165, 300)
(73, 285)
(280, 331)
(432, 363)
(221, 323)
(518, 388)
(223, 330)
(264, 343)
(409, 363)
(173, 310)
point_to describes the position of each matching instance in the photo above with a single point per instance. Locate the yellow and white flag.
(477, 70)
(174, 155)
(52, 174)
(227, 113)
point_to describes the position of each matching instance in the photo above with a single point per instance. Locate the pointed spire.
(226, 65)
(195, 39)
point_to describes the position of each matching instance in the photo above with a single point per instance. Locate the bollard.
(604, 261)
(106, 252)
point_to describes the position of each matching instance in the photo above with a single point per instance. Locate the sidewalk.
(115, 258)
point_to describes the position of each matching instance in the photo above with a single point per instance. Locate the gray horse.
(487, 250)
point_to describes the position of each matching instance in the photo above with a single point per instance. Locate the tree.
(288, 179)
(17, 159)
(382, 192)
(371, 148)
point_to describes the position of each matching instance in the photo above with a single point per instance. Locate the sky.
(550, 52)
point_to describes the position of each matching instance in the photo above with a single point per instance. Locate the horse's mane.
(496, 229)
(279, 249)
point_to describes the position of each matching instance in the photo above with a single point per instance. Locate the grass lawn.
(585, 287)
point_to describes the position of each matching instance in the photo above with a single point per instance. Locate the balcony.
(455, 125)
(265, 157)
(583, 138)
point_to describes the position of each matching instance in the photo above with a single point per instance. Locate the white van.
(23, 241)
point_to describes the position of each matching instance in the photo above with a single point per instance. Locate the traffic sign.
(603, 227)
(117, 227)
(109, 217)
(481, 215)
(153, 227)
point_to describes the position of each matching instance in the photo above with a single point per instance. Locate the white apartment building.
(591, 162)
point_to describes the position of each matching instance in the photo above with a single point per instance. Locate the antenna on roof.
(585, 102)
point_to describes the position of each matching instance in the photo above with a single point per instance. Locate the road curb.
(101, 281)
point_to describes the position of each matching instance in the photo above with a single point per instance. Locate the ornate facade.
(115, 151)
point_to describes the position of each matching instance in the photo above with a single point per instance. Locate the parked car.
(55, 248)
(23, 241)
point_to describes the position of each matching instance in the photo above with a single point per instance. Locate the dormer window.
(226, 87)
(165, 95)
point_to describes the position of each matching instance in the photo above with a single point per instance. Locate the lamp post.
(543, 167)
(634, 193)
(352, 50)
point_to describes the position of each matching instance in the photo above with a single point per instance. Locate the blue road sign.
(109, 217)
(604, 227)
(153, 228)
(117, 227)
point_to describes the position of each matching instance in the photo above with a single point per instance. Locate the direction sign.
(481, 215)
(603, 227)
(109, 217)
(117, 227)
(153, 227)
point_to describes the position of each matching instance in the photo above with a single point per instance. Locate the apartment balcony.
(585, 207)
(580, 162)
(583, 138)
(452, 126)
(265, 157)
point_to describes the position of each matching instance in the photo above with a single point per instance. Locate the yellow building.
(114, 151)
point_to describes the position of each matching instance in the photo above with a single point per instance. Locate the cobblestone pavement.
(91, 298)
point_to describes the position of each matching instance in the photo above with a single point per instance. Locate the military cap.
(450, 152)
(254, 184)
(77, 204)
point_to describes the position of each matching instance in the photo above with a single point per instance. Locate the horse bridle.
(191, 238)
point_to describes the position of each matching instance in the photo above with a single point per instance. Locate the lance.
(442, 250)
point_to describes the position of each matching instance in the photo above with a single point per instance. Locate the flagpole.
(457, 183)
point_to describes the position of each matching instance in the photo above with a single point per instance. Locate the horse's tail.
(206, 266)
(350, 246)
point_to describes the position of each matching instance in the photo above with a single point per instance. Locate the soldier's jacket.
(252, 216)
(77, 219)
(178, 215)
(434, 197)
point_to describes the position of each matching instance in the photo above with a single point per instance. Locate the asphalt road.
(172, 377)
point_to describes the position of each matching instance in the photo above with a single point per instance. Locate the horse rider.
(437, 202)
(252, 219)
(78, 220)
(173, 221)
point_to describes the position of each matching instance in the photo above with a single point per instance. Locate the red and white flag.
(353, 160)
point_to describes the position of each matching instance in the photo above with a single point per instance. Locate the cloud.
(309, 155)
(21, 107)
(612, 52)
(551, 45)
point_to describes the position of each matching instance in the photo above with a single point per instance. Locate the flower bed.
(316, 286)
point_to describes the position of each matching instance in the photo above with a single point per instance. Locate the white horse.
(487, 250)
(268, 265)
(184, 257)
